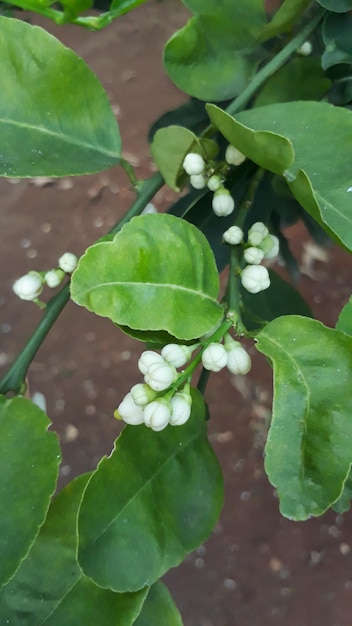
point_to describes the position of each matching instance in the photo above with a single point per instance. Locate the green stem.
(130, 173)
(14, 379)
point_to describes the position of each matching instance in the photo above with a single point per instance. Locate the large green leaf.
(158, 273)
(49, 588)
(159, 608)
(280, 299)
(338, 6)
(157, 497)
(308, 452)
(285, 18)
(29, 460)
(286, 138)
(215, 55)
(170, 146)
(300, 79)
(55, 118)
(336, 33)
(344, 323)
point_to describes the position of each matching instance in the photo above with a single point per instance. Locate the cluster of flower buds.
(202, 176)
(230, 354)
(260, 245)
(153, 403)
(30, 286)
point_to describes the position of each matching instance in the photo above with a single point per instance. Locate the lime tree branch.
(14, 379)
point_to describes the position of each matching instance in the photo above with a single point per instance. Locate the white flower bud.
(160, 376)
(142, 394)
(28, 287)
(148, 358)
(223, 204)
(253, 255)
(305, 49)
(234, 156)
(214, 357)
(129, 411)
(238, 359)
(193, 164)
(270, 246)
(255, 278)
(214, 183)
(257, 233)
(53, 278)
(198, 181)
(176, 354)
(157, 414)
(233, 235)
(68, 262)
(181, 405)
(149, 208)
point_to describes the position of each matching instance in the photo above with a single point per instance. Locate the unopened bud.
(193, 164)
(214, 357)
(148, 358)
(255, 278)
(53, 278)
(198, 181)
(157, 414)
(28, 287)
(233, 235)
(214, 183)
(270, 246)
(129, 411)
(181, 405)
(68, 262)
(253, 255)
(223, 203)
(257, 233)
(160, 376)
(234, 156)
(176, 355)
(142, 394)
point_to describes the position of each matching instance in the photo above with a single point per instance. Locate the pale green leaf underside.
(55, 118)
(319, 173)
(29, 460)
(157, 497)
(308, 452)
(158, 273)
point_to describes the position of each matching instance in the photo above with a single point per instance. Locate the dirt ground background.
(257, 568)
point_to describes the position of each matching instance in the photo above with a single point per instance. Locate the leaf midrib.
(205, 296)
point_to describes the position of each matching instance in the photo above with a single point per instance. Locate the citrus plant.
(263, 141)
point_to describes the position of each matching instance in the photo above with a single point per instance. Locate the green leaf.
(338, 6)
(318, 173)
(29, 460)
(215, 55)
(120, 7)
(308, 451)
(55, 118)
(158, 273)
(285, 18)
(344, 323)
(336, 33)
(159, 608)
(49, 588)
(280, 299)
(156, 498)
(344, 502)
(300, 79)
(169, 148)
(269, 149)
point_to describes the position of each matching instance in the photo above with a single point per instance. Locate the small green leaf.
(170, 146)
(300, 79)
(29, 460)
(308, 451)
(344, 323)
(49, 588)
(336, 33)
(270, 150)
(215, 55)
(285, 18)
(319, 173)
(280, 299)
(158, 273)
(159, 608)
(55, 118)
(120, 7)
(338, 6)
(157, 497)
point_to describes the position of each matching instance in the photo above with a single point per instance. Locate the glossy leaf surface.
(285, 18)
(159, 608)
(49, 588)
(214, 56)
(337, 6)
(308, 451)
(286, 139)
(120, 7)
(157, 497)
(158, 273)
(29, 460)
(336, 33)
(55, 118)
